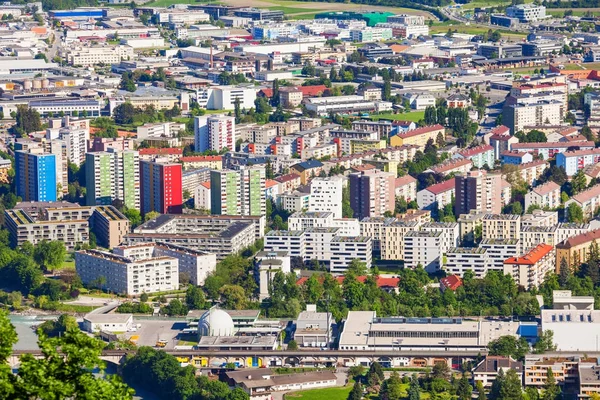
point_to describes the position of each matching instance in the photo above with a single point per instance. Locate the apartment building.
(406, 188)
(479, 191)
(588, 200)
(574, 250)
(109, 225)
(326, 195)
(164, 153)
(566, 230)
(499, 250)
(294, 201)
(159, 129)
(193, 162)
(36, 175)
(125, 275)
(418, 137)
(214, 132)
(90, 56)
(526, 12)
(468, 224)
(530, 172)
(564, 369)
(113, 175)
(225, 97)
(501, 226)
(373, 228)
(462, 259)
(546, 195)
(75, 140)
(103, 144)
(392, 243)
(161, 187)
(436, 196)
(531, 269)
(531, 236)
(306, 220)
(543, 112)
(423, 248)
(449, 234)
(574, 160)
(480, 156)
(487, 370)
(550, 150)
(217, 234)
(239, 192)
(453, 165)
(197, 265)
(372, 193)
(501, 140)
(370, 34)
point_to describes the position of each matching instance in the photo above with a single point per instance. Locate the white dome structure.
(215, 322)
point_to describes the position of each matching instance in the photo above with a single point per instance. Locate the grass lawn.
(475, 30)
(485, 3)
(166, 3)
(415, 116)
(333, 393)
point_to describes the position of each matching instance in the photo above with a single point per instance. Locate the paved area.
(152, 331)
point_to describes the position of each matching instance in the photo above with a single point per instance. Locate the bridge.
(296, 358)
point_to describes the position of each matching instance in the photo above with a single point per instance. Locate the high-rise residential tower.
(161, 187)
(214, 132)
(239, 192)
(112, 175)
(36, 175)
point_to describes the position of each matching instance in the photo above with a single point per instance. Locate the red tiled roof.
(476, 150)
(585, 152)
(546, 145)
(160, 151)
(535, 255)
(404, 180)
(441, 187)
(546, 188)
(587, 194)
(314, 90)
(500, 131)
(205, 184)
(580, 239)
(451, 164)
(270, 183)
(451, 282)
(201, 158)
(420, 131)
(287, 178)
(532, 164)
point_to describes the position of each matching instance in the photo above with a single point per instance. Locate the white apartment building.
(304, 220)
(290, 241)
(574, 160)
(214, 132)
(75, 141)
(531, 269)
(462, 259)
(406, 19)
(450, 234)
(406, 187)
(294, 201)
(202, 196)
(567, 230)
(125, 275)
(326, 196)
(345, 104)
(518, 116)
(531, 236)
(373, 228)
(499, 250)
(196, 264)
(160, 129)
(501, 226)
(423, 248)
(323, 150)
(588, 200)
(224, 97)
(436, 196)
(345, 249)
(90, 56)
(546, 195)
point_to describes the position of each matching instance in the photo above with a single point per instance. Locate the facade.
(418, 137)
(550, 150)
(314, 329)
(588, 200)
(126, 275)
(94, 323)
(218, 234)
(89, 56)
(212, 162)
(372, 193)
(501, 140)
(575, 160)
(487, 370)
(462, 259)
(326, 196)
(574, 250)
(544, 112)
(392, 242)
(479, 191)
(531, 269)
(526, 12)
(501, 226)
(239, 192)
(214, 132)
(406, 188)
(113, 175)
(546, 195)
(480, 156)
(161, 187)
(435, 197)
(499, 250)
(35, 176)
(423, 248)
(197, 265)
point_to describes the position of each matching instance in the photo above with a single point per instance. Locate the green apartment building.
(112, 175)
(240, 192)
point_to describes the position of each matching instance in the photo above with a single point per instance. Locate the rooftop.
(420, 131)
(441, 187)
(534, 255)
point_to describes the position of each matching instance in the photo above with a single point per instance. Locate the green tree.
(233, 297)
(578, 182)
(194, 298)
(464, 390)
(574, 213)
(292, 345)
(357, 391)
(27, 120)
(150, 216)
(414, 390)
(551, 389)
(66, 370)
(124, 113)
(480, 391)
(511, 388)
(509, 346)
(347, 211)
(57, 328)
(144, 297)
(50, 255)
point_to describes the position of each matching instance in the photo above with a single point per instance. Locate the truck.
(134, 339)
(161, 343)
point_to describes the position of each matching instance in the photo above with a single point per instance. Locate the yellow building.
(418, 137)
(362, 145)
(193, 162)
(574, 250)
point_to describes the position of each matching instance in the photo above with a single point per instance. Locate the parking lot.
(153, 330)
